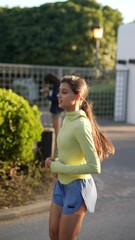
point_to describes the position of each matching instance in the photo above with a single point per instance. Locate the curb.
(17, 212)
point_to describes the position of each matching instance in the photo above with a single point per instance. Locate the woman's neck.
(73, 109)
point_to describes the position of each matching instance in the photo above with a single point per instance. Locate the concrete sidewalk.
(16, 212)
(113, 130)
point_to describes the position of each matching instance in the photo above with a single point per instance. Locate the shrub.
(23, 189)
(20, 128)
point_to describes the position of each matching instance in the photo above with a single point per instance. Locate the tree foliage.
(58, 33)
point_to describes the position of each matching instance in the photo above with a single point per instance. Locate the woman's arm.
(92, 165)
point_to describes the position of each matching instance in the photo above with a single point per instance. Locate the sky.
(126, 7)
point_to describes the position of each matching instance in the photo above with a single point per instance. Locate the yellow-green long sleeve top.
(77, 156)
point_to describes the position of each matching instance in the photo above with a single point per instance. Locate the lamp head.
(97, 32)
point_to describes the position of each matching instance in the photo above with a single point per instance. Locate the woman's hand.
(45, 91)
(48, 162)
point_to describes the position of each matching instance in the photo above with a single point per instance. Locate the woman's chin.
(60, 105)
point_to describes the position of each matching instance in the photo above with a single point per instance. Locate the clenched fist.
(48, 162)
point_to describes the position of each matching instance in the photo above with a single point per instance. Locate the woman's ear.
(78, 96)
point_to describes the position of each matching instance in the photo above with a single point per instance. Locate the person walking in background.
(51, 89)
(81, 148)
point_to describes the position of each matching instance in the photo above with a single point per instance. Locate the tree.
(58, 33)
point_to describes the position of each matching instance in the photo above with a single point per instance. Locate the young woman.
(52, 83)
(81, 148)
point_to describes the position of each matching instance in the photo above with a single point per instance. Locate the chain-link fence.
(27, 80)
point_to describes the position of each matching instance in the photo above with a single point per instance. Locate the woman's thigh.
(54, 218)
(70, 224)
(56, 122)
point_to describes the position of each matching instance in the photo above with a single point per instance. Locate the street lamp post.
(98, 34)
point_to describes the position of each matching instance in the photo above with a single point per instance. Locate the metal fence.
(27, 80)
(121, 95)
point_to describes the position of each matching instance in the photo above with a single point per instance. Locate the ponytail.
(103, 147)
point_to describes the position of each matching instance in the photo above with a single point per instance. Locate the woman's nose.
(58, 95)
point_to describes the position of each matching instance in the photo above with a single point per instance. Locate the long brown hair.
(103, 146)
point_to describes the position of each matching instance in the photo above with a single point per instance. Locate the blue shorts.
(71, 196)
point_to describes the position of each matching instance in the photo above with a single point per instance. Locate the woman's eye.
(63, 92)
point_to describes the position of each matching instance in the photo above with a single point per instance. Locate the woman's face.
(67, 99)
